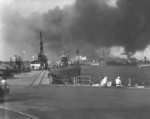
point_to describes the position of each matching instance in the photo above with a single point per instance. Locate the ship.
(65, 72)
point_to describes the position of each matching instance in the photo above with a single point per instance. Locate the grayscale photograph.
(74, 59)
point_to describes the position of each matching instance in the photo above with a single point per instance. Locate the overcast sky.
(97, 27)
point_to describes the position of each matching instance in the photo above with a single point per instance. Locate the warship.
(65, 72)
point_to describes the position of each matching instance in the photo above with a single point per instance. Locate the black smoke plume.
(87, 25)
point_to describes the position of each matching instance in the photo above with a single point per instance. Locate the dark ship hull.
(65, 71)
(65, 75)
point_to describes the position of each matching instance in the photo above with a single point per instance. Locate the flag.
(77, 52)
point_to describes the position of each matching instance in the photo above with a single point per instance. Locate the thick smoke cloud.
(88, 25)
(128, 25)
(133, 30)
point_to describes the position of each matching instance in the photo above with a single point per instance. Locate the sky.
(13, 14)
(97, 28)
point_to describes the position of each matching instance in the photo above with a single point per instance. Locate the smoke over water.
(93, 26)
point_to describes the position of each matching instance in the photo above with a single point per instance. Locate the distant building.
(35, 65)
